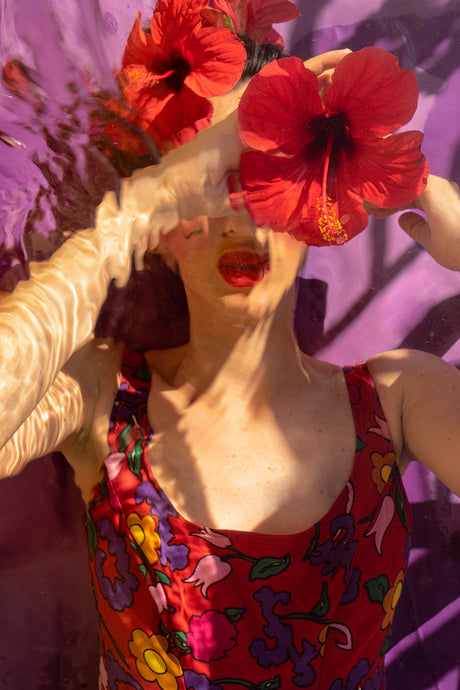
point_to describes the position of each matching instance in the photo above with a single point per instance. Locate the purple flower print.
(376, 682)
(354, 679)
(352, 590)
(382, 522)
(117, 675)
(209, 570)
(337, 552)
(176, 554)
(198, 681)
(283, 648)
(117, 587)
(211, 635)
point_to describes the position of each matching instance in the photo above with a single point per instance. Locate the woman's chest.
(274, 475)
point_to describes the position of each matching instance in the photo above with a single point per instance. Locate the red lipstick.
(242, 267)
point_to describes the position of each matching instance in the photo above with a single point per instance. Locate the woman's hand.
(190, 181)
(193, 180)
(439, 234)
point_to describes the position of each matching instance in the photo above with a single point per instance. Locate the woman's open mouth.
(243, 268)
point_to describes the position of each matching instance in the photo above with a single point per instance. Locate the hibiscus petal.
(333, 220)
(236, 10)
(390, 172)
(182, 116)
(216, 57)
(374, 93)
(212, 17)
(140, 46)
(264, 35)
(273, 189)
(272, 115)
(267, 12)
(174, 19)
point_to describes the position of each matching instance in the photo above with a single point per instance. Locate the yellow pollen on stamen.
(329, 225)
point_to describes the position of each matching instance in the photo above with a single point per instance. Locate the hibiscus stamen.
(329, 225)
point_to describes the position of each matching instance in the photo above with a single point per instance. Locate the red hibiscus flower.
(113, 129)
(168, 74)
(253, 18)
(316, 158)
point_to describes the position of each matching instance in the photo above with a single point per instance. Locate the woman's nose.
(243, 226)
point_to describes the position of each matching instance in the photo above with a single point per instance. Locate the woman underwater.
(246, 520)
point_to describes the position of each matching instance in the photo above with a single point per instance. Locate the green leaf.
(377, 588)
(180, 640)
(234, 615)
(269, 566)
(162, 577)
(143, 570)
(322, 607)
(229, 23)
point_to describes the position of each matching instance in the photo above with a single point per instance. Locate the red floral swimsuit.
(184, 606)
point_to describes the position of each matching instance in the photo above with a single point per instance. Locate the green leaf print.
(180, 640)
(377, 588)
(162, 577)
(91, 532)
(401, 506)
(322, 607)
(143, 373)
(314, 543)
(386, 643)
(269, 566)
(134, 460)
(164, 631)
(234, 615)
(123, 439)
(359, 444)
(273, 684)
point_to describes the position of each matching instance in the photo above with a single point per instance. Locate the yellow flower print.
(381, 469)
(391, 599)
(153, 661)
(144, 532)
(322, 639)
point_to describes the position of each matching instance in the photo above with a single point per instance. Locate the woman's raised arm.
(51, 315)
(420, 391)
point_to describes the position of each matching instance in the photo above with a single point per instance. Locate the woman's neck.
(239, 359)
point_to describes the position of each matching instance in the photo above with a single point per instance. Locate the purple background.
(381, 291)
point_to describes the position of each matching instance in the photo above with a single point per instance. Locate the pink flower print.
(381, 428)
(113, 464)
(103, 677)
(216, 538)
(211, 635)
(158, 595)
(382, 522)
(209, 570)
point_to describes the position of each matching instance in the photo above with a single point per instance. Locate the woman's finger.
(326, 61)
